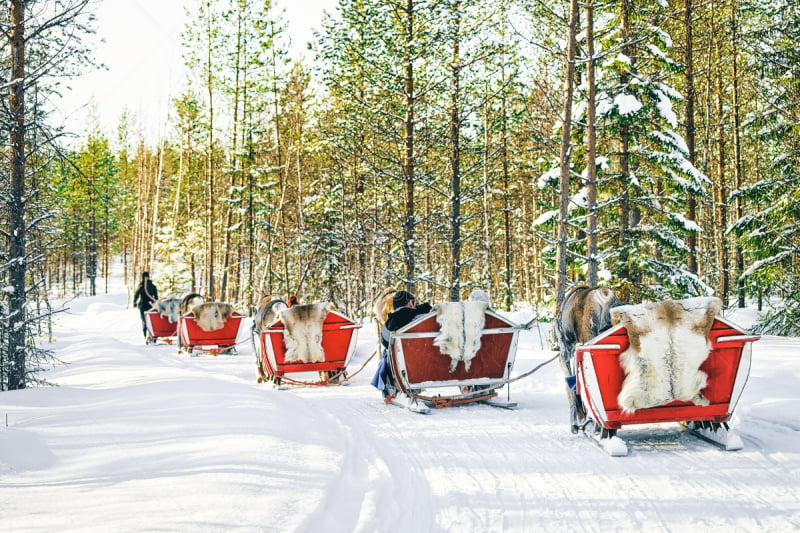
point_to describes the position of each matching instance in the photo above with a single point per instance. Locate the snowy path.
(141, 438)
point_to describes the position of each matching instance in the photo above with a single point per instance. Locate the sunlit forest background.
(421, 146)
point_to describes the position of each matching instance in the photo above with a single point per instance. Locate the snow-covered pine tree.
(650, 177)
(378, 56)
(37, 46)
(644, 175)
(771, 232)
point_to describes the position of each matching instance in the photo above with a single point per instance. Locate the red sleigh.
(339, 336)
(159, 327)
(600, 377)
(419, 367)
(222, 340)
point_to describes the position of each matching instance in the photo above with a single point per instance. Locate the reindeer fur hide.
(169, 308)
(460, 329)
(302, 332)
(211, 316)
(668, 343)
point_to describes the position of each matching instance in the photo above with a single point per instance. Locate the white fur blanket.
(460, 330)
(302, 332)
(668, 343)
(212, 316)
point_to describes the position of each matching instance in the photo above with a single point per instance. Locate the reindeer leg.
(577, 415)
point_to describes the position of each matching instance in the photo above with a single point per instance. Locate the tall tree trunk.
(455, 159)
(487, 197)
(409, 222)
(17, 326)
(236, 160)
(591, 149)
(91, 241)
(210, 197)
(508, 295)
(690, 127)
(625, 211)
(566, 149)
(737, 154)
(156, 201)
(722, 199)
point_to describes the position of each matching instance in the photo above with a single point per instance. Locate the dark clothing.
(404, 315)
(144, 297)
(383, 380)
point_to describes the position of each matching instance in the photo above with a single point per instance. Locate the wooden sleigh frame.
(339, 338)
(418, 365)
(600, 377)
(192, 338)
(160, 327)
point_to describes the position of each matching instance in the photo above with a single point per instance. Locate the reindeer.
(584, 313)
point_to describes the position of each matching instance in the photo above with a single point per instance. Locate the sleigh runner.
(419, 366)
(327, 350)
(601, 385)
(160, 327)
(191, 337)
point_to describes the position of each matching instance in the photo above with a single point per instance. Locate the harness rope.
(330, 380)
(439, 400)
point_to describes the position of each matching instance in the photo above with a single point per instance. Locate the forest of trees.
(518, 146)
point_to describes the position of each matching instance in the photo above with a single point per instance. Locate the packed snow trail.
(139, 437)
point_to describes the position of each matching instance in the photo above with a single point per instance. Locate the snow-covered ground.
(141, 438)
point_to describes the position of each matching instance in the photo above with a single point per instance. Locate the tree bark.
(409, 223)
(591, 150)
(455, 161)
(690, 128)
(625, 210)
(566, 148)
(210, 199)
(722, 199)
(737, 155)
(17, 331)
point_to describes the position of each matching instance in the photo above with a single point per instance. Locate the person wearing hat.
(144, 297)
(405, 310)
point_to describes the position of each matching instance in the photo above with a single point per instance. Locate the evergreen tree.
(770, 232)
(37, 46)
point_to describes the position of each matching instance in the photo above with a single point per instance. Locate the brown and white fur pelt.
(668, 343)
(302, 332)
(382, 306)
(460, 330)
(169, 308)
(189, 301)
(211, 316)
(267, 312)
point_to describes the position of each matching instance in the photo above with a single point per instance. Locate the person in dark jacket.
(146, 294)
(405, 312)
